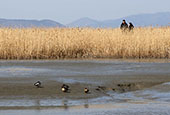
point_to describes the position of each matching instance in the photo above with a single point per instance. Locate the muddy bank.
(24, 88)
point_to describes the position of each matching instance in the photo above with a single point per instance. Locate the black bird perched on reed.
(86, 90)
(38, 84)
(65, 88)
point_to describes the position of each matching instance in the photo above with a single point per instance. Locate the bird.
(38, 84)
(98, 89)
(86, 90)
(65, 88)
(113, 89)
(101, 88)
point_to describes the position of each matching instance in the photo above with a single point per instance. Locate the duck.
(86, 90)
(100, 88)
(64, 88)
(38, 84)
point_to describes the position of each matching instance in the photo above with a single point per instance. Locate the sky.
(66, 11)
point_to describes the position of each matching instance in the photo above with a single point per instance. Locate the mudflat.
(24, 88)
(109, 81)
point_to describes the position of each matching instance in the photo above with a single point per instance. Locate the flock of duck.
(64, 87)
(121, 87)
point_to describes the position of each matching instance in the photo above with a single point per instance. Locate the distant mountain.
(84, 22)
(28, 23)
(157, 19)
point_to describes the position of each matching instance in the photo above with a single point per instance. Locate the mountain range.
(156, 19)
(28, 23)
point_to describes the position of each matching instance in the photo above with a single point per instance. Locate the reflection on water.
(65, 104)
(102, 109)
(37, 103)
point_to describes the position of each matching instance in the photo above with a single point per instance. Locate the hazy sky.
(65, 11)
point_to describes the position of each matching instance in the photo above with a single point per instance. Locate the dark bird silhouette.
(38, 84)
(98, 89)
(86, 90)
(65, 88)
(101, 88)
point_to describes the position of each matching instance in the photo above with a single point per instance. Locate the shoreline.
(18, 87)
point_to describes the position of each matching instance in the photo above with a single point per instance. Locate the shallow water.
(72, 69)
(154, 100)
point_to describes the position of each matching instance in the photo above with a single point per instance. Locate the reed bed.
(65, 43)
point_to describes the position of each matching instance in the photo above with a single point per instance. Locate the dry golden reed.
(60, 43)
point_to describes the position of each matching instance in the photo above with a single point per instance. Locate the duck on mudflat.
(86, 90)
(65, 88)
(38, 84)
